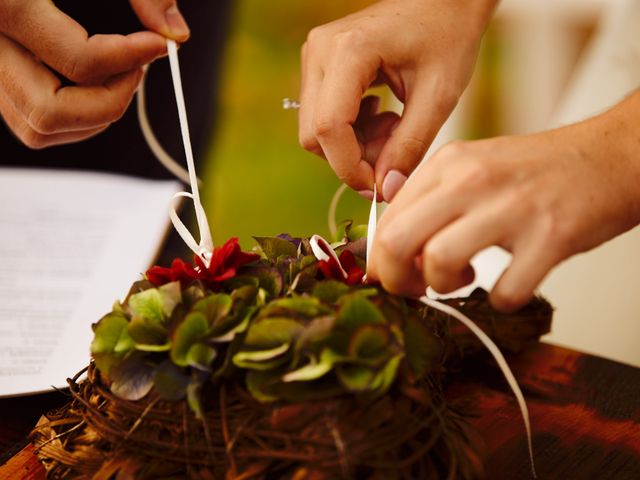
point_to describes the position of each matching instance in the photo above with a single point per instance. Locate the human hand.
(424, 50)
(543, 197)
(36, 37)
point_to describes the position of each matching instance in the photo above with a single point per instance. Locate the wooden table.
(585, 414)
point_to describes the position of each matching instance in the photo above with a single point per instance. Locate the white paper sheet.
(71, 243)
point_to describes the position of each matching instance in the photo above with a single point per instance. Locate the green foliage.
(277, 326)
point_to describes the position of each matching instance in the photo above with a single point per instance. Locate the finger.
(311, 79)
(426, 108)
(63, 44)
(447, 256)
(32, 139)
(36, 95)
(530, 264)
(402, 235)
(348, 76)
(163, 17)
(373, 132)
(380, 269)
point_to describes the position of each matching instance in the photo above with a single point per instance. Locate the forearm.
(614, 137)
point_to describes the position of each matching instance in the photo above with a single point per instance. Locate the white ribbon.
(204, 248)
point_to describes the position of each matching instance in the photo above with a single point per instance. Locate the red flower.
(331, 269)
(224, 264)
(179, 271)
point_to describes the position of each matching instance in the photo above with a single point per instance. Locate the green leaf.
(269, 333)
(111, 341)
(245, 294)
(132, 378)
(385, 377)
(270, 280)
(147, 332)
(156, 304)
(309, 307)
(341, 231)
(357, 310)
(370, 343)
(423, 348)
(314, 370)
(330, 291)
(192, 330)
(201, 356)
(262, 359)
(165, 347)
(227, 330)
(214, 307)
(170, 381)
(357, 232)
(258, 385)
(274, 247)
(355, 378)
(194, 399)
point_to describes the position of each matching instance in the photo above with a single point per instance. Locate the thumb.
(163, 17)
(425, 110)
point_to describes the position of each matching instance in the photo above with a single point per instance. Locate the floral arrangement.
(288, 364)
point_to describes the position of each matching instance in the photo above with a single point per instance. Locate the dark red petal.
(226, 275)
(354, 276)
(348, 260)
(324, 267)
(159, 275)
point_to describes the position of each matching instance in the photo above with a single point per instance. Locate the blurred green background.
(258, 180)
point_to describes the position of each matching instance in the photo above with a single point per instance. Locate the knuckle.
(386, 243)
(413, 147)
(316, 35)
(324, 125)
(451, 151)
(77, 68)
(555, 231)
(436, 256)
(307, 141)
(353, 39)
(509, 299)
(33, 139)
(42, 120)
(392, 286)
(347, 176)
(477, 172)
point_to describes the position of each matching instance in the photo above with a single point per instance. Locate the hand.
(424, 50)
(544, 197)
(106, 69)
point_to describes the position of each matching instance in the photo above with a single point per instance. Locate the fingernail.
(393, 182)
(368, 194)
(175, 22)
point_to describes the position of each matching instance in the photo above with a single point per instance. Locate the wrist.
(613, 137)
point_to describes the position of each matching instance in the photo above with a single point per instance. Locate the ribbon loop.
(204, 248)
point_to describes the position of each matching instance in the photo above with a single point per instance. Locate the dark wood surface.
(585, 415)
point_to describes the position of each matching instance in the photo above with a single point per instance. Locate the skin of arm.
(544, 197)
(105, 70)
(424, 50)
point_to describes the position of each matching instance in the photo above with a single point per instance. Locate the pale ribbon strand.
(204, 249)
(147, 132)
(499, 358)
